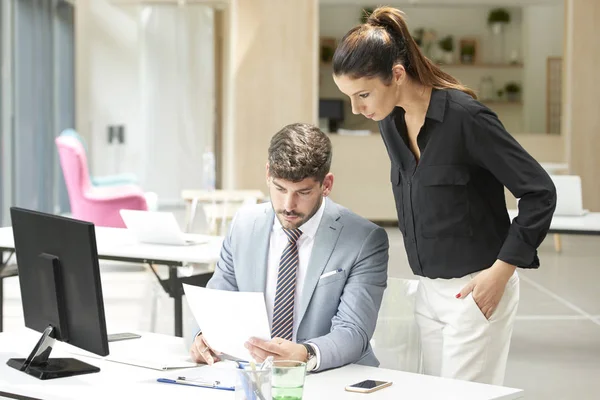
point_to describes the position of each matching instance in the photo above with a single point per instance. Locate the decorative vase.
(497, 42)
(486, 88)
(448, 57)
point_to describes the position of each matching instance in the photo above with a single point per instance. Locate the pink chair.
(99, 205)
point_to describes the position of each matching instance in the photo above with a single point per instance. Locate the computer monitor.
(332, 110)
(61, 291)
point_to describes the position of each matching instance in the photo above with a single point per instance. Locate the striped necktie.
(283, 311)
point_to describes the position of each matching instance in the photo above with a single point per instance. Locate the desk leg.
(3, 263)
(176, 294)
(1, 303)
(557, 243)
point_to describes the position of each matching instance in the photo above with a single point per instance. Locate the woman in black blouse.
(450, 161)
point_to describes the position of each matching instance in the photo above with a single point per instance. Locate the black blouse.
(451, 205)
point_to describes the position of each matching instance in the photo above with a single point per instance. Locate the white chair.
(569, 200)
(396, 339)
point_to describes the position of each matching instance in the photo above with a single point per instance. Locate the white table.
(118, 244)
(116, 381)
(587, 224)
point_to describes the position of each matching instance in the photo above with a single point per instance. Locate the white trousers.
(457, 340)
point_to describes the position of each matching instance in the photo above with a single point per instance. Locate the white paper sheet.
(135, 352)
(229, 319)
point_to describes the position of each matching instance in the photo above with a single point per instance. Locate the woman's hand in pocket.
(488, 287)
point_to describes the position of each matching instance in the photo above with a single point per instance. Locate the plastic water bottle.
(208, 170)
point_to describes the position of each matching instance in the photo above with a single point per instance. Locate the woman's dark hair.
(372, 49)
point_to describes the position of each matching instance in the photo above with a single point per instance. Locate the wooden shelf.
(459, 65)
(502, 102)
(482, 65)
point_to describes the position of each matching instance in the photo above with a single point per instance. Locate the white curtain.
(178, 91)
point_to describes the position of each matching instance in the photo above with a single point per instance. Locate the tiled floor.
(555, 352)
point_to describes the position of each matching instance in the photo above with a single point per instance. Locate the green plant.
(512, 87)
(366, 12)
(499, 15)
(447, 43)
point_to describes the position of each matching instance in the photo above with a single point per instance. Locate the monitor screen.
(59, 277)
(331, 109)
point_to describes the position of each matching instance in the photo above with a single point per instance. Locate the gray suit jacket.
(337, 313)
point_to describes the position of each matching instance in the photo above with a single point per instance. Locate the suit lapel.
(327, 235)
(261, 234)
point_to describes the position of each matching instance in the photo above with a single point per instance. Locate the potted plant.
(447, 46)
(513, 91)
(497, 18)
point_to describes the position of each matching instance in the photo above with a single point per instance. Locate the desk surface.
(587, 224)
(119, 243)
(115, 380)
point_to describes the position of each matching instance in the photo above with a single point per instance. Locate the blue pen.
(208, 385)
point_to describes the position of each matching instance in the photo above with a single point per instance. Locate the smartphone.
(115, 337)
(368, 386)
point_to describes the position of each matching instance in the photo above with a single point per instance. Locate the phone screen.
(115, 337)
(368, 384)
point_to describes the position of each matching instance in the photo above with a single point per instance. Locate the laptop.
(156, 227)
(568, 195)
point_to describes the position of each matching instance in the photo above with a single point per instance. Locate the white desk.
(116, 381)
(588, 224)
(118, 244)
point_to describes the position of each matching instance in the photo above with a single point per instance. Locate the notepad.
(228, 319)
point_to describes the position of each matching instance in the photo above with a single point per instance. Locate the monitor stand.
(39, 365)
(333, 125)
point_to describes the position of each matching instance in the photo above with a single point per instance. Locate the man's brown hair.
(300, 151)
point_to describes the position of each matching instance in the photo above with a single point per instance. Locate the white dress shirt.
(278, 242)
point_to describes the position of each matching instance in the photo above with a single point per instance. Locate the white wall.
(542, 37)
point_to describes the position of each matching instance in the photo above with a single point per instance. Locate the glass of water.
(253, 383)
(287, 380)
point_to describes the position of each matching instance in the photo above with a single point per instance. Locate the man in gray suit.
(322, 268)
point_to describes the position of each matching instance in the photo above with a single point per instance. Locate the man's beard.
(302, 218)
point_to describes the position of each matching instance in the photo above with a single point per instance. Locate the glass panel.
(177, 95)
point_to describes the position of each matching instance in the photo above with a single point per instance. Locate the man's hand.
(202, 353)
(488, 287)
(280, 349)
